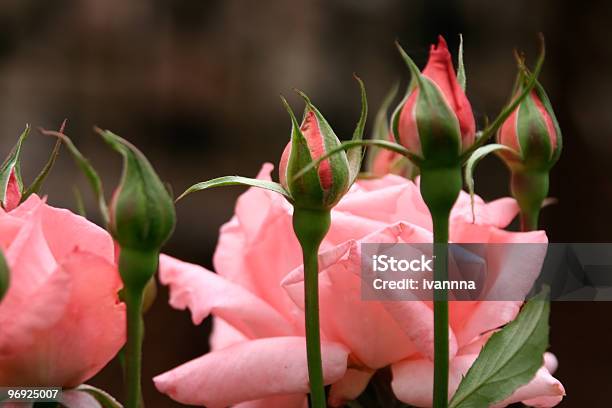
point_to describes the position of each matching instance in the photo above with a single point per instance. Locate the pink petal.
(413, 379)
(408, 326)
(386, 200)
(86, 336)
(249, 371)
(9, 227)
(487, 316)
(497, 213)
(66, 232)
(205, 292)
(224, 335)
(248, 244)
(29, 259)
(543, 391)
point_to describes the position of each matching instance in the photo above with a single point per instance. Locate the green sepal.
(461, 78)
(355, 155)
(381, 129)
(395, 116)
(437, 124)
(36, 185)
(5, 276)
(237, 181)
(105, 399)
(12, 165)
(510, 358)
(539, 89)
(471, 163)
(88, 170)
(142, 213)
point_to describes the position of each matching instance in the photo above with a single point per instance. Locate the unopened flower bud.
(533, 134)
(142, 215)
(11, 185)
(435, 119)
(533, 137)
(322, 187)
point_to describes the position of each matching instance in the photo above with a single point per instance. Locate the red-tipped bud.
(534, 138)
(435, 119)
(319, 188)
(532, 132)
(11, 186)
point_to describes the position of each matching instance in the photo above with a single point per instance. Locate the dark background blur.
(195, 84)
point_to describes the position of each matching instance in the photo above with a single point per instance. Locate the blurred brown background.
(195, 84)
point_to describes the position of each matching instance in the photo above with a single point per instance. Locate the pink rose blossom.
(256, 297)
(61, 320)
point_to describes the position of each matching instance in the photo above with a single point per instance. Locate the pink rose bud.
(532, 132)
(435, 119)
(322, 187)
(533, 137)
(11, 185)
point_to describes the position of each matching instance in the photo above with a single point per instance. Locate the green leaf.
(88, 170)
(104, 398)
(42, 176)
(355, 155)
(510, 358)
(460, 67)
(470, 165)
(12, 166)
(5, 276)
(236, 181)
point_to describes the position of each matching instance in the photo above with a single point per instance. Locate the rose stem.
(135, 268)
(310, 227)
(440, 188)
